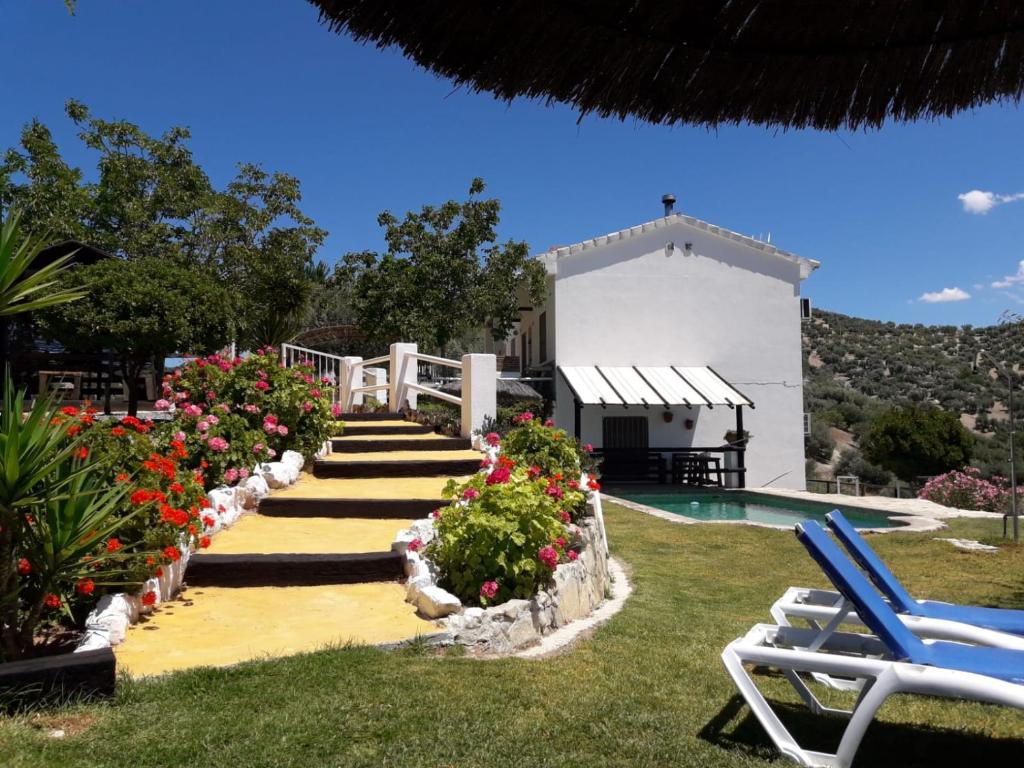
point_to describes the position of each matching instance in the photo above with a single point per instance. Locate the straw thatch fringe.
(825, 64)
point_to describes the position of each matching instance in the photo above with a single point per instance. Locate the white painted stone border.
(107, 624)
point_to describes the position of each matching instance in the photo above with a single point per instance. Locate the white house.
(668, 335)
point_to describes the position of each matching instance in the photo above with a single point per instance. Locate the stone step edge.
(400, 509)
(396, 468)
(293, 570)
(383, 445)
(383, 416)
(369, 428)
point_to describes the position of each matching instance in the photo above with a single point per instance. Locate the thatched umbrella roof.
(824, 64)
(507, 390)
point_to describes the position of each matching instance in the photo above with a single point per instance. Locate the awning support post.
(741, 480)
(577, 409)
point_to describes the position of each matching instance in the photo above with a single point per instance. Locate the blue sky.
(366, 130)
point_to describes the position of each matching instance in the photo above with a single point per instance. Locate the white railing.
(393, 379)
(327, 368)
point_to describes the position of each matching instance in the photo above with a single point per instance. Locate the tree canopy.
(443, 275)
(141, 313)
(148, 198)
(914, 441)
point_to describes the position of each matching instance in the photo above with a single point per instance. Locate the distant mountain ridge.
(893, 362)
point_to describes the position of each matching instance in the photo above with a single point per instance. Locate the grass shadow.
(885, 744)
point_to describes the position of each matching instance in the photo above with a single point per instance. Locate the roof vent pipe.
(669, 202)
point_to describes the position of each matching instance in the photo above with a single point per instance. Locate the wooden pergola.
(823, 64)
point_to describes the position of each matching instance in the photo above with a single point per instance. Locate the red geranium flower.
(204, 542)
(85, 586)
(149, 598)
(172, 553)
(82, 453)
(24, 566)
(113, 545)
(69, 410)
(51, 601)
(118, 432)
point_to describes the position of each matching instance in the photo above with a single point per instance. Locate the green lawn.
(647, 690)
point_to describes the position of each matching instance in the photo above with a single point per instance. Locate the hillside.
(854, 367)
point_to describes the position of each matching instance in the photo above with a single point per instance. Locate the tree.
(141, 312)
(914, 441)
(151, 199)
(443, 275)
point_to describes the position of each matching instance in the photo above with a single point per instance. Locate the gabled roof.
(806, 265)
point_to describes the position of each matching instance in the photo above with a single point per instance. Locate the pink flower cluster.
(489, 589)
(548, 556)
(966, 489)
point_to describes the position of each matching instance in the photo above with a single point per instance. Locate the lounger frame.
(845, 655)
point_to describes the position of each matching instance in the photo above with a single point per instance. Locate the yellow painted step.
(405, 456)
(310, 487)
(306, 535)
(219, 626)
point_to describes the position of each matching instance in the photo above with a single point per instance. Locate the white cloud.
(978, 202)
(1011, 280)
(945, 295)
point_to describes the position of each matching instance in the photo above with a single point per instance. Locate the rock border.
(577, 593)
(107, 624)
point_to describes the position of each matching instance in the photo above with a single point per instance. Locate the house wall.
(723, 304)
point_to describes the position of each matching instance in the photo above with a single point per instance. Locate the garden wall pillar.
(403, 373)
(351, 377)
(479, 391)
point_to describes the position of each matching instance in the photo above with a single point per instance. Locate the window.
(805, 309)
(624, 432)
(807, 424)
(542, 340)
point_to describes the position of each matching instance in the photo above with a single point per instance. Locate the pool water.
(753, 507)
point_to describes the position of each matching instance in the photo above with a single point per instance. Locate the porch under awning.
(662, 385)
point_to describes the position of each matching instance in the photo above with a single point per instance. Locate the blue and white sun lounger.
(998, 619)
(894, 660)
(995, 627)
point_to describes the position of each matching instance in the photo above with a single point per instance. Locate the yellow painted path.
(220, 626)
(310, 487)
(305, 535)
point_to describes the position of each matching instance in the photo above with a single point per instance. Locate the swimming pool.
(744, 506)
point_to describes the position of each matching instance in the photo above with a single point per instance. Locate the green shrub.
(501, 538)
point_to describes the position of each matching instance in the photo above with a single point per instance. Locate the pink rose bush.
(233, 412)
(966, 489)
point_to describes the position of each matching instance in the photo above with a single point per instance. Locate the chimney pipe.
(669, 202)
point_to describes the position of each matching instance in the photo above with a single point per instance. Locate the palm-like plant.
(55, 508)
(80, 510)
(22, 288)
